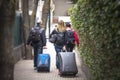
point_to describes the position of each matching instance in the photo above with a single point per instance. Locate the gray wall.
(18, 53)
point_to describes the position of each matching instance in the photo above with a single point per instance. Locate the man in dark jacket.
(39, 45)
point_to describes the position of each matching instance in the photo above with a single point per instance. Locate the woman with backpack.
(59, 43)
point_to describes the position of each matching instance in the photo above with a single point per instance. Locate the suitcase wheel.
(43, 70)
(38, 70)
(74, 75)
(48, 70)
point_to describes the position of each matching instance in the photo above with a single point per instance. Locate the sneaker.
(35, 68)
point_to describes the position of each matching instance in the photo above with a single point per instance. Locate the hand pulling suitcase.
(67, 63)
(43, 62)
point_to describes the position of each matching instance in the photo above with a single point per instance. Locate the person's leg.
(68, 48)
(40, 50)
(56, 55)
(71, 47)
(35, 57)
(57, 49)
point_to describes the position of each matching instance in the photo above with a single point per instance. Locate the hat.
(68, 24)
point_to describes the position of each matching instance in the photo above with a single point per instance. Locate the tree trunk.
(45, 12)
(25, 17)
(7, 14)
(33, 16)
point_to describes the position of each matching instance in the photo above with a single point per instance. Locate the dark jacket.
(42, 42)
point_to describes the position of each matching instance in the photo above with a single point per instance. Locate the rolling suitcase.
(67, 63)
(43, 62)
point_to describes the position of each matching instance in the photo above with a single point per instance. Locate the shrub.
(98, 26)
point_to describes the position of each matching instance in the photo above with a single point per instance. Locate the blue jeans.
(37, 50)
(58, 49)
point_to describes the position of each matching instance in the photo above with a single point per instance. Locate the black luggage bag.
(67, 63)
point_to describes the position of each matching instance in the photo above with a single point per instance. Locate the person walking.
(71, 38)
(37, 40)
(59, 43)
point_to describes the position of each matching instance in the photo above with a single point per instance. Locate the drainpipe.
(49, 18)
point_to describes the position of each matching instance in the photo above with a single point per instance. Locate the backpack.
(70, 37)
(60, 38)
(36, 35)
(53, 38)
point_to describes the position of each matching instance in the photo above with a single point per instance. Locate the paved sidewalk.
(24, 69)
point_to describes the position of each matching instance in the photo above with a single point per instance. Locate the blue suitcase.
(43, 62)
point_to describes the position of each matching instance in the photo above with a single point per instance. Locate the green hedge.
(98, 26)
